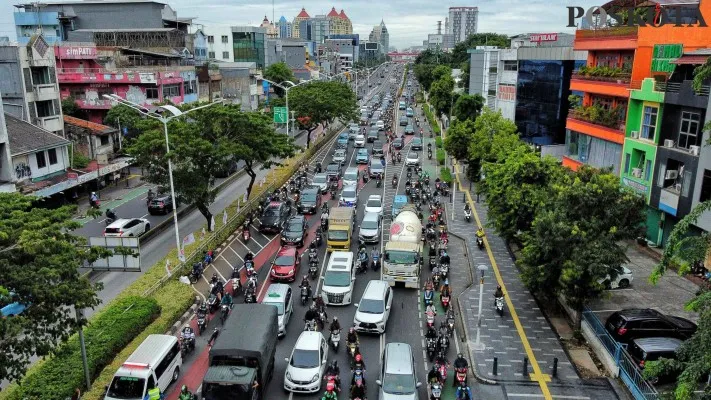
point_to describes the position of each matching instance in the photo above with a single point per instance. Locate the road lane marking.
(233, 250)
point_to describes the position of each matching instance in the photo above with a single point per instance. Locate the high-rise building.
(284, 28)
(250, 45)
(462, 22)
(296, 25)
(340, 24)
(380, 35)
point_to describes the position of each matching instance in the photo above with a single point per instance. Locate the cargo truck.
(340, 228)
(403, 252)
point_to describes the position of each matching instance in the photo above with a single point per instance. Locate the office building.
(380, 35)
(284, 28)
(250, 45)
(296, 24)
(462, 22)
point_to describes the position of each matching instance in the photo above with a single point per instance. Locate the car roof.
(399, 358)
(311, 189)
(298, 218)
(286, 251)
(639, 313)
(276, 290)
(120, 222)
(309, 340)
(350, 186)
(322, 175)
(658, 344)
(351, 169)
(375, 197)
(375, 289)
(371, 216)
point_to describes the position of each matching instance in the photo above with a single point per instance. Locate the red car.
(285, 266)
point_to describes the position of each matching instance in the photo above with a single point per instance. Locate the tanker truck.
(403, 252)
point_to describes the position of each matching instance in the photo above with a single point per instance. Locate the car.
(362, 157)
(349, 195)
(412, 159)
(11, 307)
(342, 140)
(353, 130)
(274, 217)
(416, 143)
(404, 121)
(364, 119)
(339, 156)
(307, 363)
(285, 266)
(375, 167)
(377, 150)
(628, 324)
(295, 231)
(409, 112)
(161, 205)
(397, 377)
(652, 349)
(339, 279)
(309, 201)
(402, 105)
(369, 231)
(280, 296)
(333, 169)
(374, 204)
(373, 135)
(351, 176)
(374, 308)
(380, 124)
(320, 181)
(127, 227)
(360, 141)
(622, 281)
(409, 130)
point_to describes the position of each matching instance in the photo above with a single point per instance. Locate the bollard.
(525, 366)
(496, 365)
(555, 367)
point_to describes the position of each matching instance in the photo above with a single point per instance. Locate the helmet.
(335, 318)
(351, 330)
(93, 193)
(312, 307)
(460, 355)
(184, 389)
(312, 245)
(330, 386)
(446, 282)
(306, 277)
(359, 357)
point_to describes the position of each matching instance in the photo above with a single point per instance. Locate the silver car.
(339, 156)
(320, 181)
(375, 167)
(412, 159)
(349, 196)
(370, 228)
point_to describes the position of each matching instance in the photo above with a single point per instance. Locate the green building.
(644, 118)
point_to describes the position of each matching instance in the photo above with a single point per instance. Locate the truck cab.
(340, 228)
(398, 202)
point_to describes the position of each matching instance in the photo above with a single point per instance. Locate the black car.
(274, 217)
(378, 149)
(404, 121)
(652, 349)
(625, 325)
(398, 144)
(294, 233)
(373, 135)
(310, 201)
(416, 144)
(333, 169)
(161, 205)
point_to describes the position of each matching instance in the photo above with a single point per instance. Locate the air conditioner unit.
(634, 134)
(637, 172)
(671, 174)
(694, 150)
(668, 143)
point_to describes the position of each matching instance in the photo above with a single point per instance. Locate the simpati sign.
(77, 52)
(543, 37)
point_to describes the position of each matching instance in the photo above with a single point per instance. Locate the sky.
(408, 21)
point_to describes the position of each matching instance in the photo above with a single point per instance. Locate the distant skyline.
(408, 21)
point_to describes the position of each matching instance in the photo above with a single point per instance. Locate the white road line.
(261, 234)
(228, 263)
(554, 396)
(256, 242)
(233, 250)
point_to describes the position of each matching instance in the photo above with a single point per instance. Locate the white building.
(219, 43)
(6, 174)
(462, 22)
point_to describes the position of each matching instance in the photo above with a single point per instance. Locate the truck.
(340, 228)
(243, 354)
(402, 260)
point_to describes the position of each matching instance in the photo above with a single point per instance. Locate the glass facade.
(249, 47)
(542, 94)
(593, 151)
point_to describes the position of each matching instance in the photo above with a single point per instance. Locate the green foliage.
(279, 72)
(130, 119)
(57, 378)
(602, 71)
(446, 175)
(423, 73)
(79, 160)
(440, 156)
(468, 107)
(459, 137)
(441, 96)
(70, 107)
(432, 121)
(438, 142)
(494, 137)
(39, 263)
(598, 114)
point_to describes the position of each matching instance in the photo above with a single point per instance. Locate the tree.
(322, 101)
(423, 73)
(441, 71)
(468, 107)
(130, 119)
(458, 138)
(39, 266)
(279, 72)
(441, 94)
(494, 137)
(70, 108)
(460, 55)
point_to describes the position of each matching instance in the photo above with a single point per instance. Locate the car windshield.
(369, 224)
(337, 278)
(305, 359)
(370, 306)
(339, 153)
(362, 152)
(308, 197)
(320, 179)
(398, 384)
(401, 257)
(284, 261)
(126, 387)
(349, 194)
(337, 235)
(333, 167)
(351, 176)
(343, 136)
(295, 227)
(416, 141)
(279, 305)
(412, 155)
(272, 212)
(374, 203)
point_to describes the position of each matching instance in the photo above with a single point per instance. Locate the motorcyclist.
(480, 232)
(464, 393)
(445, 290)
(305, 283)
(431, 333)
(352, 337)
(318, 167)
(434, 376)
(110, 214)
(227, 300)
(311, 314)
(313, 250)
(188, 335)
(431, 310)
(359, 363)
(335, 325)
(185, 394)
(202, 309)
(460, 362)
(334, 370)
(444, 257)
(320, 305)
(249, 257)
(498, 293)
(93, 199)
(429, 285)
(358, 391)
(331, 393)
(467, 208)
(151, 195)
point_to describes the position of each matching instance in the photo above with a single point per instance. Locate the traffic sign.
(280, 115)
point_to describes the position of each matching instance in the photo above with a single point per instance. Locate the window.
(628, 160)
(190, 87)
(52, 155)
(211, 54)
(41, 161)
(648, 170)
(492, 92)
(706, 186)
(492, 70)
(604, 102)
(649, 123)
(211, 39)
(225, 55)
(171, 91)
(224, 38)
(45, 108)
(40, 76)
(511, 65)
(167, 360)
(152, 93)
(104, 140)
(689, 129)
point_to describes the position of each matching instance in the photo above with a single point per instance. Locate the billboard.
(371, 46)
(117, 262)
(76, 52)
(543, 37)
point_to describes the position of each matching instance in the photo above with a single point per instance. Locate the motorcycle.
(500, 306)
(362, 266)
(335, 339)
(201, 322)
(186, 346)
(433, 262)
(431, 348)
(250, 296)
(311, 325)
(443, 344)
(468, 215)
(313, 269)
(430, 317)
(394, 181)
(352, 348)
(319, 237)
(225, 313)
(436, 280)
(212, 303)
(304, 295)
(480, 243)
(378, 181)
(399, 157)
(436, 390)
(196, 273)
(322, 319)
(324, 224)
(358, 376)
(444, 270)
(450, 323)
(460, 376)
(245, 235)
(236, 284)
(442, 368)
(428, 297)
(376, 263)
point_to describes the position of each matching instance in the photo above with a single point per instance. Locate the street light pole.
(478, 345)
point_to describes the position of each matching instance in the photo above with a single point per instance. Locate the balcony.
(45, 92)
(134, 75)
(612, 38)
(94, 104)
(52, 123)
(683, 93)
(589, 121)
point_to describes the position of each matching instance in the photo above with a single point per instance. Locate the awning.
(690, 60)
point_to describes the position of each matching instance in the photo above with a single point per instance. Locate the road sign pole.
(287, 110)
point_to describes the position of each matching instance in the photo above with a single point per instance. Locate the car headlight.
(291, 272)
(288, 375)
(315, 378)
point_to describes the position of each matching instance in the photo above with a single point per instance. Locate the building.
(296, 24)
(250, 45)
(239, 84)
(196, 43)
(95, 141)
(7, 177)
(284, 28)
(86, 73)
(296, 53)
(220, 46)
(462, 22)
(380, 35)
(209, 83)
(348, 49)
(315, 29)
(28, 83)
(402, 58)
(340, 24)
(369, 53)
(272, 32)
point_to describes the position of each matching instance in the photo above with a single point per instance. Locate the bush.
(79, 160)
(440, 156)
(445, 175)
(438, 142)
(105, 336)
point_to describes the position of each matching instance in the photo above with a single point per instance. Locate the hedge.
(438, 142)
(440, 156)
(105, 336)
(445, 175)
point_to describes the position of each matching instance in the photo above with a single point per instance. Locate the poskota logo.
(682, 16)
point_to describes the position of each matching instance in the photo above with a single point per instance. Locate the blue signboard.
(265, 86)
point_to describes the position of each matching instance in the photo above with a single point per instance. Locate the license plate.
(399, 279)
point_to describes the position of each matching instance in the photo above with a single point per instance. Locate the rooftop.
(27, 138)
(96, 129)
(303, 14)
(333, 13)
(69, 3)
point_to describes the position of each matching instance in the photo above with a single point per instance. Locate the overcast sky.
(408, 21)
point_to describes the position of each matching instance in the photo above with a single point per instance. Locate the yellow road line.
(537, 375)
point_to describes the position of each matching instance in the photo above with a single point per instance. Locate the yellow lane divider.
(537, 375)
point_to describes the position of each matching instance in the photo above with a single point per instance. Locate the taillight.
(161, 204)
(120, 233)
(641, 364)
(622, 331)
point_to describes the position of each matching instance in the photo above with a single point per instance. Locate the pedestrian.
(77, 394)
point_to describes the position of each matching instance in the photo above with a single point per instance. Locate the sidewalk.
(113, 195)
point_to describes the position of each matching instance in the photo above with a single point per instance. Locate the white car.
(307, 363)
(374, 204)
(360, 141)
(128, 227)
(339, 156)
(623, 280)
(349, 196)
(338, 280)
(412, 159)
(380, 124)
(320, 181)
(374, 308)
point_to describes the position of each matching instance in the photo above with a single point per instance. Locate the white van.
(351, 176)
(339, 278)
(156, 362)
